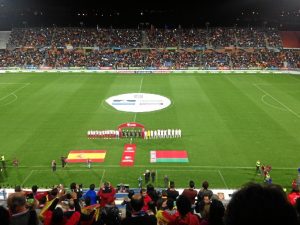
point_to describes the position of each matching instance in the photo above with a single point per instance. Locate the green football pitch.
(228, 122)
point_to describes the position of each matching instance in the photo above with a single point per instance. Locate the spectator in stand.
(185, 215)
(63, 210)
(294, 195)
(76, 188)
(91, 193)
(18, 189)
(138, 215)
(204, 190)
(146, 199)
(215, 215)
(106, 192)
(127, 203)
(20, 213)
(110, 213)
(167, 213)
(260, 205)
(297, 207)
(203, 206)
(171, 192)
(190, 192)
(152, 193)
(4, 215)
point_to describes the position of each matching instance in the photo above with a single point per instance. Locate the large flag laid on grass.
(177, 156)
(79, 156)
(128, 155)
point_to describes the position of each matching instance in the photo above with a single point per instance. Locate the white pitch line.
(273, 106)
(290, 110)
(25, 85)
(101, 180)
(63, 170)
(15, 99)
(26, 178)
(187, 170)
(134, 118)
(141, 84)
(215, 167)
(224, 182)
(14, 83)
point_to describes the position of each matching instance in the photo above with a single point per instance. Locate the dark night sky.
(160, 13)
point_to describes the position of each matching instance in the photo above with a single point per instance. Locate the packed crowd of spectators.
(252, 204)
(152, 48)
(250, 38)
(151, 58)
(151, 38)
(222, 37)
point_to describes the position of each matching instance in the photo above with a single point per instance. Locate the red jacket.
(106, 197)
(293, 197)
(147, 199)
(74, 219)
(188, 219)
(191, 194)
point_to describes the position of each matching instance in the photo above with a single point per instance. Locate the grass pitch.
(228, 122)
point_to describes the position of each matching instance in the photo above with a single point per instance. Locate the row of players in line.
(169, 133)
(149, 134)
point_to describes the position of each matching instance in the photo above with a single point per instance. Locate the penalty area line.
(223, 179)
(27, 177)
(12, 93)
(101, 180)
(286, 107)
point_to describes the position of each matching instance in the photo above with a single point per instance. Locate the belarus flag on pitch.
(177, 156)
(78, 156)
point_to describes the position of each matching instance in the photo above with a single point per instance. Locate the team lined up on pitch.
(147, 134)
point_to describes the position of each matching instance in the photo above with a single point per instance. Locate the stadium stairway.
(4, 38)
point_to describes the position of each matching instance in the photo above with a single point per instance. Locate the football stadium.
(149, 118)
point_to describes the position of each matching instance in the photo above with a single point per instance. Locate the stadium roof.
(144, 13)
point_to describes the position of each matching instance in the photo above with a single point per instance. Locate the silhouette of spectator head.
(4, 215)
(216, 212)
(34, 188)
(260, 205)
(183, 205)
(57, 216)
(18, 188)
(137, 202)
(92, 187)
(170, 204)
(172, 184)
(205, 185)
(16, 202)
(192, 184)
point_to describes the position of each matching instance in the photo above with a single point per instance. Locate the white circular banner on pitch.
(138, 102)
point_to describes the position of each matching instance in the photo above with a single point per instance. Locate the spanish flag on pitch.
(80, 156)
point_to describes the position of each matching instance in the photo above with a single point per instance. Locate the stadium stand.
(214, 48)
(4, 38)
(290, 39)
